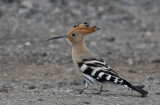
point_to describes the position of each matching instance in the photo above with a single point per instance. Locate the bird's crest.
(83, 28)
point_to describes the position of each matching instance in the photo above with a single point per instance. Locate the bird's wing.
(97, 69)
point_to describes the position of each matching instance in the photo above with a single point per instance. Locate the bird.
(91, 66)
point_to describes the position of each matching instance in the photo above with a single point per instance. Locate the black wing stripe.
(80, 64)
(98, 70)
(88, 71)
(107, 77)
(103, 78)
(99, 62)
(111, 73)
(97, 73)
(112, 79)
(94, 69)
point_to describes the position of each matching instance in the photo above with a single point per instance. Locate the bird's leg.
(84, 88)
(100, 90)
(90, 92)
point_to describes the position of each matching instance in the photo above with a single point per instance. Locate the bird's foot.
(82, 91)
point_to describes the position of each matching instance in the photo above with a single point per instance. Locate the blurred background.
(129, 41)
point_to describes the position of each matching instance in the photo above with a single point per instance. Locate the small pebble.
(60, 84)
(110, 39)
(47, 86)
(44, 54)
(86, 103)
(27, 43)
(151, 78)
(26, 4)
(132, 71)
(4, 90)
(158, 93)
(148, 33)
(40, 99)
(130, 61)
(32, 87)
(156, 61)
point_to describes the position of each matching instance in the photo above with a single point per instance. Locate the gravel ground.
(36, 72)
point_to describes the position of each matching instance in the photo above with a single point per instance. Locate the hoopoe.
(92, 67)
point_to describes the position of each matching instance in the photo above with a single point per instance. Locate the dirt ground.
(36, 72)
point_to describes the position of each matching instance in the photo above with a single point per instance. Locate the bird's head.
(77, 33)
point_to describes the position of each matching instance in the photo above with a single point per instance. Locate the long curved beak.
(57, 37)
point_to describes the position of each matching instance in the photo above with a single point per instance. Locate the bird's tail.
(136, 88)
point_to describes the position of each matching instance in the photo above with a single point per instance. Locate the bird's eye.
(73, 35)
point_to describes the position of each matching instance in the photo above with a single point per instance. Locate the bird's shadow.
(124, 95)
(112, 94)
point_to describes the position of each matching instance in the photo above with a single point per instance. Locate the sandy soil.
(36, 72)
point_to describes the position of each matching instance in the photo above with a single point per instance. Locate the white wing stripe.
(108, 77)
(83, 67)
(101, 68)
(116, 80)
(101, 74)
(95, 70)
(94, 61)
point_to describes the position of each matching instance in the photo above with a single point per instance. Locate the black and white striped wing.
(95, 70)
